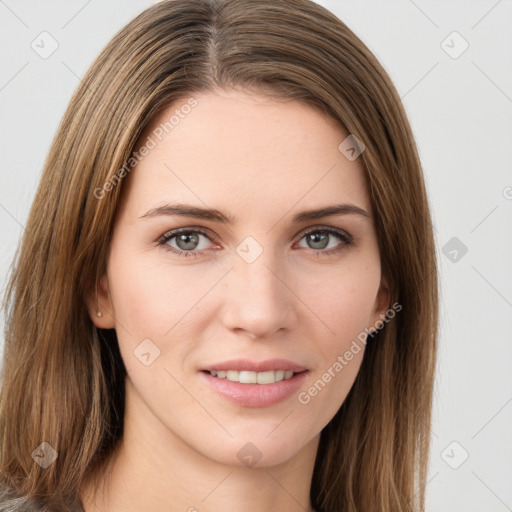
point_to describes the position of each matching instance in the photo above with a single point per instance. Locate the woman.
(226, 293)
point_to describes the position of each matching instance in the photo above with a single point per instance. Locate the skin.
(261, 161)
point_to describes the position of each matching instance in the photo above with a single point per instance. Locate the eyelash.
(346, 240)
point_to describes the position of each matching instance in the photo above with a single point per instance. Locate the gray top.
(9, 502)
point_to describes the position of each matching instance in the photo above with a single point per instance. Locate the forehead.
(246, 150)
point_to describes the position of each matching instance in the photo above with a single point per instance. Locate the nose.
(258, 298)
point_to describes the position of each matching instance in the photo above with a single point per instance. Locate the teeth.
(247, 377)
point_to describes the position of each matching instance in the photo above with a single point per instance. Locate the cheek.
(148, 303)
(157, 301)
(343, 302)
(150, 296)
(137, 297)
(344, 308)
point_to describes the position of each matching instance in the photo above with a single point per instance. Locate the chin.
(255, 451)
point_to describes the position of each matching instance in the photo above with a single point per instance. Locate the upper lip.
(256, 366)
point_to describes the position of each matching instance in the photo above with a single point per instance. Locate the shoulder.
(11, 502)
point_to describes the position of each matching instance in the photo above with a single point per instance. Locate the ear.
(99, 305)
(382, 304)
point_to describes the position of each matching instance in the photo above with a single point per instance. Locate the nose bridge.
(258, 299)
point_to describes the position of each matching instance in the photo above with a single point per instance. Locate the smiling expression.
(244, 249)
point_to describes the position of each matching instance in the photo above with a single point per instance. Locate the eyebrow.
(212, 214)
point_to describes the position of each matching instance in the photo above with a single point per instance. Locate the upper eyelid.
(193, 229)
(323, 228)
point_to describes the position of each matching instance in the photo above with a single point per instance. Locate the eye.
(184, 242)
(319, 240)
(192, 242)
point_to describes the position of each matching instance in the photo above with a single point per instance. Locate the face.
(257, 289)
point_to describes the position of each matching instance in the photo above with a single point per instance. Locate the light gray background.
(461, 113)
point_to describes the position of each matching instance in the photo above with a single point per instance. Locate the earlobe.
(382, 305)
(100, 307)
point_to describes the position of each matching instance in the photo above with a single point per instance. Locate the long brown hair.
(63, 379)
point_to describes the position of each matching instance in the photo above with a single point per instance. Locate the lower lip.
(255, 395)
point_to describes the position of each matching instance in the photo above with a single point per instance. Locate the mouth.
(247, 371)
(249, 383)
(250, 377)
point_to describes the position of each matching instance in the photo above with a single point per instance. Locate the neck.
(154, 469)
